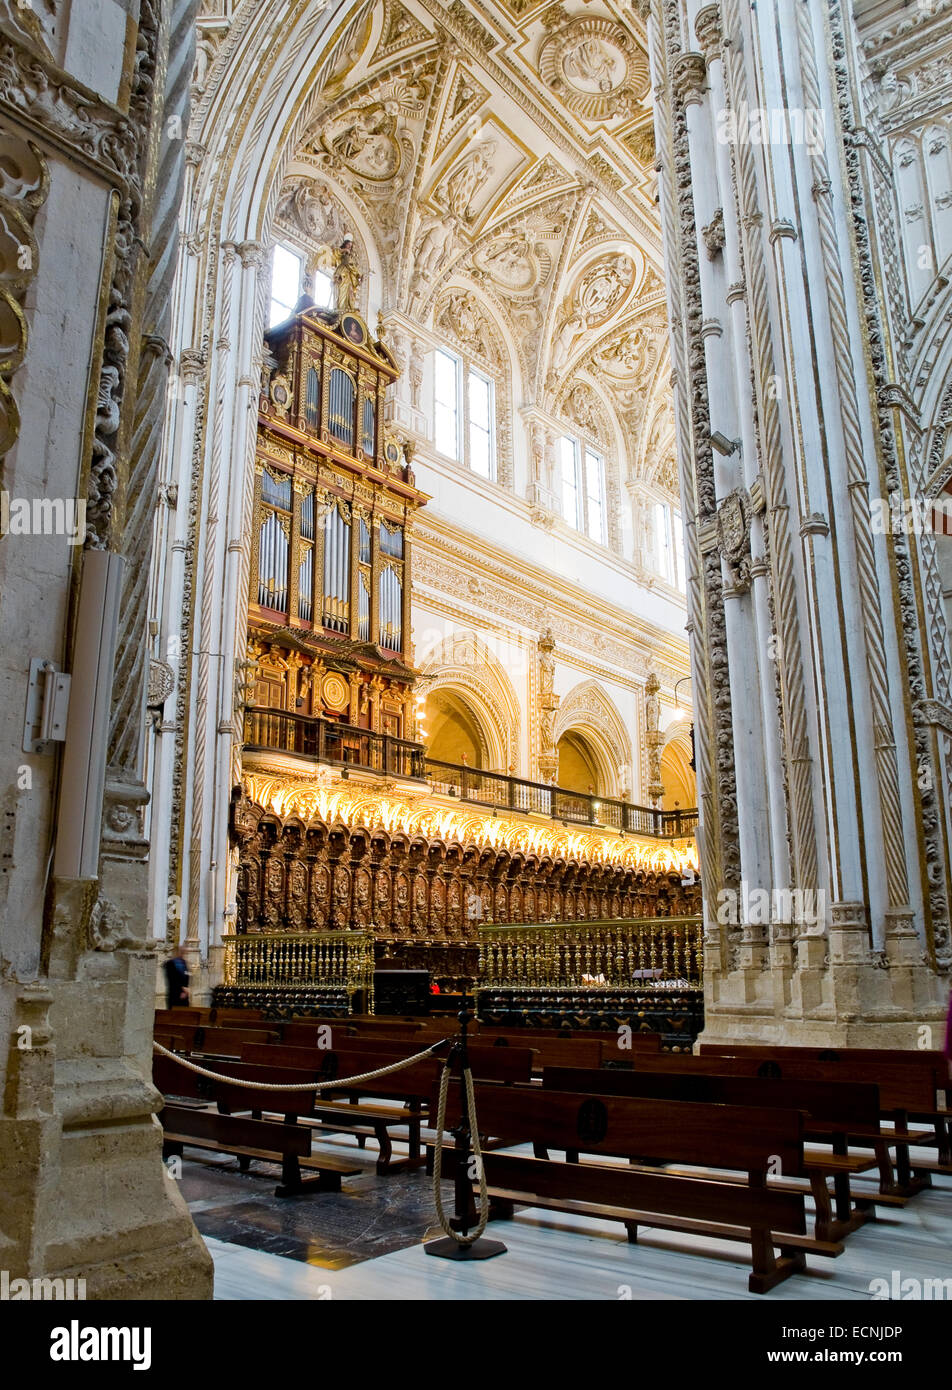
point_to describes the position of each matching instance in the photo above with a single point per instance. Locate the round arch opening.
(579, 769)
(677, 776)
(454, 731)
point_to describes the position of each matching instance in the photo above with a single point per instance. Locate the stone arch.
(260, 94)
(589, 710)
(464, 663)
(676, 771)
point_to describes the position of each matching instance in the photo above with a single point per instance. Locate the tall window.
(446, 410)
(570, 480)
(322, 290)
(463, 414)
(669, 543)
(595, 495)
(680, 573)
(583, 487)
(480, 425)
(286, 270)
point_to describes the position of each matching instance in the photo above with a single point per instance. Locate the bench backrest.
(228, 1042)
(269, 1135)
(553, 1052)
(507, 1065)
(178, 1017)
(608, 1185)
(905, 1084)
(909, 1056)
(831, 1101)
(744, 1138)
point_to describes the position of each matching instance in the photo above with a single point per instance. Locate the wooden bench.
(210, 1041)
(737, 1139)
(834, 1113)
(178, 1018)
(249, 1139)
(302, 1033)
(356, 1110)
(913, 1089)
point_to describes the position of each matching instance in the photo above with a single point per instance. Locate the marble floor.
(366, 1243)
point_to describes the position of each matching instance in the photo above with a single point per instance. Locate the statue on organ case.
(347, 278)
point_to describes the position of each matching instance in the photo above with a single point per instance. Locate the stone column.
(806, 641)
(86, 1193)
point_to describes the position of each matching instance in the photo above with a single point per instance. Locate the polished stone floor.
(366, 1243)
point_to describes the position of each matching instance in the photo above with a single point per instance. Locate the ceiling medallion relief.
(595, 68)
(599, 293)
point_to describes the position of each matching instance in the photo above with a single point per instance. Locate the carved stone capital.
(688, 74)
(707, 27)
(251, 253)
(814, 525)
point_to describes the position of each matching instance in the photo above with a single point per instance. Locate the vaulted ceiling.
(501, 156)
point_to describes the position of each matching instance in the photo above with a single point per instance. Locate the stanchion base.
(449, 1249)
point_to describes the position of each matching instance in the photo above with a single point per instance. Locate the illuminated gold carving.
(372, 809)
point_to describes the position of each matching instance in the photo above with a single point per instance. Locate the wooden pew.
(178, 1018)
(913, 1089)
(835, 1112)
(506, 1065)
(302, 1031)
(227, 1042)
(737, 1139)
(347, 1109)
(247, 1139)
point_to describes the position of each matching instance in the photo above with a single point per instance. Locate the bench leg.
(500, 1209)
(172, 1149)
(830, 1227)
(907, 1183)
(632, 1228)
(414, 1140)
(290, 1184)
(244, 1162)
(768, 1271)
(385, 1157)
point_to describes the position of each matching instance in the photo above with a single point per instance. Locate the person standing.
(176, 981)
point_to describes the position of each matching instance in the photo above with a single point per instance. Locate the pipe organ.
(328, 611)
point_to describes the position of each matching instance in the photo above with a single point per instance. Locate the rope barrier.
(351, 1082)
(336, 1084)
(483, 1219)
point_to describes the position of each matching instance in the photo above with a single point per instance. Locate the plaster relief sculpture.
(465, 181)
(435, 245)
(363, 140)
(595, 67)
(461, 316)
(307, 204)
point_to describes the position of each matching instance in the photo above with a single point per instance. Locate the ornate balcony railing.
(327, 741)
(647, 953)
(318, 961)
(575, 808)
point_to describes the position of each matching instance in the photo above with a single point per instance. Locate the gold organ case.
(329, 648)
